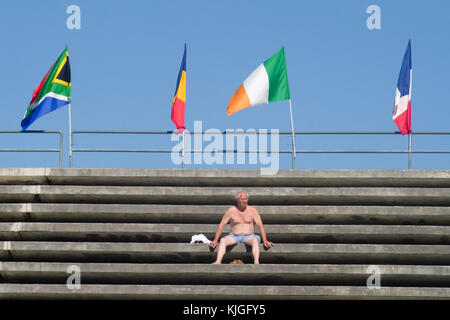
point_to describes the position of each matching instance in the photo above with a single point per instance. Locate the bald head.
(240, 194)
(241, 200)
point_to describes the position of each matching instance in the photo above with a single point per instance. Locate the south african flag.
(52, 93)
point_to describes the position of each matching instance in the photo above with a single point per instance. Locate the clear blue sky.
(126, 56)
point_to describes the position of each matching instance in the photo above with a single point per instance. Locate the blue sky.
(126, 57)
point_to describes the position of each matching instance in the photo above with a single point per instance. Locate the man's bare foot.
(215, 262)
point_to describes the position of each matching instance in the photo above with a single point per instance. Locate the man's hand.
(268, 244)
(213, 244)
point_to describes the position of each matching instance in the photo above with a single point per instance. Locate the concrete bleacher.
(129, 231)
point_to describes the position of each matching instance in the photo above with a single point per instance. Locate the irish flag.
(52, 93)
(268, 83)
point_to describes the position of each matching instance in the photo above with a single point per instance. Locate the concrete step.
(134, 232)
(226, 178)
(247, 274)
(286, 214)
(217, 292)
(128, 230)
(225, 195)
(202, 253)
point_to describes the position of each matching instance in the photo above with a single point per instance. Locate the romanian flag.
(268, 83)
(179, 99)
(52, 93)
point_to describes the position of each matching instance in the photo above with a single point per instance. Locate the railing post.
(294, 152)
(60, 149)
(182, 161)
(70, 148)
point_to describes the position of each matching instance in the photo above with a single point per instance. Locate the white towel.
(200, 238)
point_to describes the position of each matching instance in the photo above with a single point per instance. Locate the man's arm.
(226, 217)
(259, 223)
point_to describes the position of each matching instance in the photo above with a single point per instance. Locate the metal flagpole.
(409, 151)
(182, 161)
(70, 134)
(293, 136)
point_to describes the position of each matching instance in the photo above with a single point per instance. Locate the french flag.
(402, 105)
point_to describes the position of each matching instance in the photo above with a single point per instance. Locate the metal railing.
(294, 151)
(298, 134)
(59, 150)
(72, 150)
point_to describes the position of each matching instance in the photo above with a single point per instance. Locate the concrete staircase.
(127, 232)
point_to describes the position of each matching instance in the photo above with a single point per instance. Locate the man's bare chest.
(241, 218)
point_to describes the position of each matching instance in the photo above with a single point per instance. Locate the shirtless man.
(242, 218)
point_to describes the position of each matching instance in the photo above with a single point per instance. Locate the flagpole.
(293, 135)
(182, 161)
(70, 134)
(409, 151)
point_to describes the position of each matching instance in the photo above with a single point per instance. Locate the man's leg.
(223, 244)
(254, 243)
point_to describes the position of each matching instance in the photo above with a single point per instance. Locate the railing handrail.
(59, 150)
(237, 132)
(409, 151)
